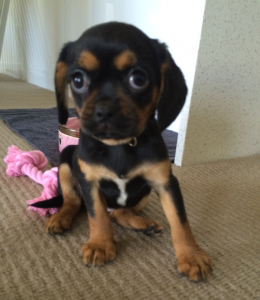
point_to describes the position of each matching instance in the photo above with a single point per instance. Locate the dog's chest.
(124, 192)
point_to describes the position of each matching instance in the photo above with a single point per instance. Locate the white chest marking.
(121, 183)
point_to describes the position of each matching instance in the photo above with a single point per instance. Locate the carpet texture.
(223, 205)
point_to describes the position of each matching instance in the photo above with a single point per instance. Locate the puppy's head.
(118, 77)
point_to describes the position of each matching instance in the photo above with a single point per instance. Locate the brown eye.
(138, 79)
(79, 82)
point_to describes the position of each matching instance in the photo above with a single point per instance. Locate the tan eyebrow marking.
(125, 59)
(88, 61)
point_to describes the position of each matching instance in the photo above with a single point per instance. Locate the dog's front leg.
(62, 220)
(192, 260)
(100, 248)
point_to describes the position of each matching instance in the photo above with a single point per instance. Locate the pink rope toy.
(32, 164)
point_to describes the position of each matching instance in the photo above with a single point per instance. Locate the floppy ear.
(61, 83)
(173, 88)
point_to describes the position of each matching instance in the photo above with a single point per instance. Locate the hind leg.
(71, 202)
(128, 218)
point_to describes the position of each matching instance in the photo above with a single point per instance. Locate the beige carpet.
(223, 205)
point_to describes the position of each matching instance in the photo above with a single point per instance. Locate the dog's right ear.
(173, 87)
(61, 88)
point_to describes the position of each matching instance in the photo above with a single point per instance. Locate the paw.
(130, 220)
(195, 264)
(98, 253)
(58, 223)
(151, 228)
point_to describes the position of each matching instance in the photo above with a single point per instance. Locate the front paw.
(194, 263)
(97, 253)
(58, 223)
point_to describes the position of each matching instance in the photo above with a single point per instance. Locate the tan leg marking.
(128, 218)
(192, 260)
(71, 203)
(100, 248)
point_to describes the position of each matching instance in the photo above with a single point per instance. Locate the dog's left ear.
(173, 89)
(61, 83)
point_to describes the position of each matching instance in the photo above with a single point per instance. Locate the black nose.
(104, 112)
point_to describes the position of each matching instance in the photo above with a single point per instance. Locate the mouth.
(108, 130)
(132, 141)
(108, 136)
(111, 138)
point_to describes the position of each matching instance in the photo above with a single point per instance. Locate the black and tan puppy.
(119, 79)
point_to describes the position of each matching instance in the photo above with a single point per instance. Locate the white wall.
(224, 117)
(35, 33)
(37, 29)
(4, 7)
